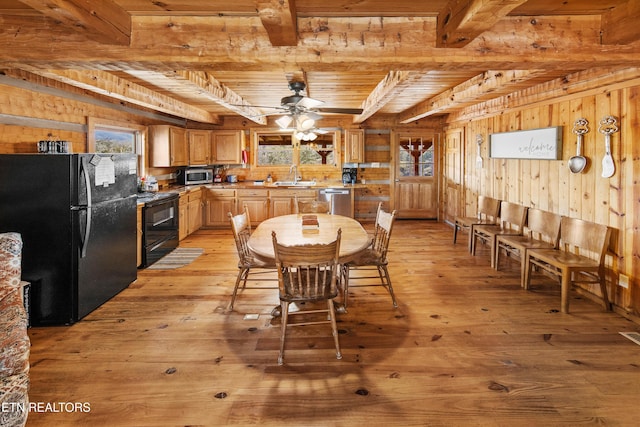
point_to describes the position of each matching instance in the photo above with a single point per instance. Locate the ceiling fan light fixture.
(284, 122)
(305, 122)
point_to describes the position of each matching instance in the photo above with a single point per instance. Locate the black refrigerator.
(77, 217)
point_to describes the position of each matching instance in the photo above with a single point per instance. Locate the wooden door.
(452, 173)
(415, 174)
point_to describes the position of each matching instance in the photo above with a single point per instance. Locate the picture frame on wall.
(538, 144)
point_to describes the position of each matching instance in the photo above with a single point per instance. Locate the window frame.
(139, 131)
(333, 167)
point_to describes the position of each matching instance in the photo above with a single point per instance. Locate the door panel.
(416, 174)
(453, 173)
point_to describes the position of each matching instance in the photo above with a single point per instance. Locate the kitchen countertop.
(181, 189)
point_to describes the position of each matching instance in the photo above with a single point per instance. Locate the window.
(115, 141)
(107, 136)
(416, 156)
(275, 148)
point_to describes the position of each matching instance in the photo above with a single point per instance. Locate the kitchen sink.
(294, 184)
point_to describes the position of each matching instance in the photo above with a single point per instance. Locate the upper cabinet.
(354, 146)
(226, 146)
(199, 147)
(168, 146)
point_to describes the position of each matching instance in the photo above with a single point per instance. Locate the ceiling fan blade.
(340, 110)
(311, 103)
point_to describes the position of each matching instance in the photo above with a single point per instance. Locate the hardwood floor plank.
(466, 346)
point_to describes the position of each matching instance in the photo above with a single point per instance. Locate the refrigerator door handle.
(87, 225)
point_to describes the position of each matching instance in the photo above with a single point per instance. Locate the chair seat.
(524, 242)
(495, 230)
(367, 257)
(559, 258)
(253, 262)
(468, 221)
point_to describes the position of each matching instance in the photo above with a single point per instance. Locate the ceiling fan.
(301, 112)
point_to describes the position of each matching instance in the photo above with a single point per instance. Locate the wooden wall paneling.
(527, 180)
(604, 189)
(486, 176)
(630, 244)
(21, 139)
(558, 200)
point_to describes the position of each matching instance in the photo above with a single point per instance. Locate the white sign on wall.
(545, 143)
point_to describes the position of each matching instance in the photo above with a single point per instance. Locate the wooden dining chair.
(312, 206)
(307, 274)
(541, 232)
(512, 221)
(579, 258)
(248, 264)
(373, 257)
(488, 211)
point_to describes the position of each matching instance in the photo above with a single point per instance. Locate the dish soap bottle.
(269, 179)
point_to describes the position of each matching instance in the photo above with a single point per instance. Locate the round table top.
(289, 231)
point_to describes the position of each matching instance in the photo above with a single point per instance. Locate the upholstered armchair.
(14, 341)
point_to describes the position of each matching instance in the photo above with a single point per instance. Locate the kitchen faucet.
(294, 169)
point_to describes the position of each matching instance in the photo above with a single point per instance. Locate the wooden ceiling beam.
(279, 19)
(620, 24)
(333, 45)
(103, 21)
(461, 21)
(488, 84)
(388, 88)
(207, 87)
(589, 82)
(107, 84)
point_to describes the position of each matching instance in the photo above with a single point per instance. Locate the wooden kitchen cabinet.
(257, 203)
(194, 215)
(354, 146)
(218, 203)
(190, 212)
(226, 146)
(282, 202)
(183, 215)
(199, 147)
(168, 146)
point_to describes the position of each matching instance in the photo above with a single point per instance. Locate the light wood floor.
(466, 346)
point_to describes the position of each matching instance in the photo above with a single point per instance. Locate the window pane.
(115, 141)
(415, 157)
(276, 149)
(318, 152)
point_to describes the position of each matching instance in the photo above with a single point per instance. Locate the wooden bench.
(579, 258)
(542, 231)
(488, 210)
(512, 220)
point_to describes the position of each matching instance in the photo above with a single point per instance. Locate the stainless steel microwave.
(194, 176)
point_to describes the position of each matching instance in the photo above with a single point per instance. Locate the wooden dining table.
(289, 231)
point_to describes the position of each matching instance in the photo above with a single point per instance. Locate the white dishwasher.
(340, 199)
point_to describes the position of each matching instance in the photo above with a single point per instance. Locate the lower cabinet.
(194, 217)
(183, 213)
(282, 202)
(257, 203)
(217, 203)
(190, 213)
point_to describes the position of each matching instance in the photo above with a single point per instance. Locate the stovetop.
(148, 197)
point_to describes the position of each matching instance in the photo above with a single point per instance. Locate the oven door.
(160, 230)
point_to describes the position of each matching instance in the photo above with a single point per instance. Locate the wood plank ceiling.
(203, 60)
